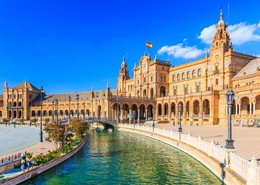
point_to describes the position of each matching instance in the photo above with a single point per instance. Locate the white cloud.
(181, 51)
(239, 33)
(207, 34)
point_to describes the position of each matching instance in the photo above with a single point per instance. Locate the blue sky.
(69, 46)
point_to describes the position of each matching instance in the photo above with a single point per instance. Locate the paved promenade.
(247, 139)
(20, 139)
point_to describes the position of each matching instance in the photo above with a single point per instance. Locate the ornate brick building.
(200, 86)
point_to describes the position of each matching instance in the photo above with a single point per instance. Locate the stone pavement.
(21, 139)
(247, 139)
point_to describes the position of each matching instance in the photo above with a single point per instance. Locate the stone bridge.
(107, 123)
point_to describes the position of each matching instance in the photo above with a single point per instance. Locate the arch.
(150, 112)
(206, 108)
(33, 113)
(71, 112)
(14, 114)
(88, 112)
(38, 113)
(196, 108)
(99, 111)
(245, 105)
(142, 112)
(134, 111)
(180, 112)
(162, 91)
(151, 93)
(66, 112)
(50, 112)
(257, 104)
(183, 76)
(193, 74)
(173, 78)
(187, 108)
(45, 113)
(116, 111)
(10, 104)
(173, 109)
(144, 92)
(188, 75)
(178, 77)
(19, 114)
(82, 112)
(165, 109)
(159, 109)
(14, 104)
(19, 104)
(61, 112)
(125, 111)
(199, 72)
(9, 114)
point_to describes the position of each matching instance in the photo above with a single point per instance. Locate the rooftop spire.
(221, 15)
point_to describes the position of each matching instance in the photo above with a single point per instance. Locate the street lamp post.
(153, 119)
(57, 110)
(134, 118)
(63, 133)
(117, 100)
(77, 99)
(69, 109)
(180, 110)
(230, 142)
(84, 104)
(53, 110)
(41, 133)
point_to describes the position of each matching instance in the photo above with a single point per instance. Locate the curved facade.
(155, 91)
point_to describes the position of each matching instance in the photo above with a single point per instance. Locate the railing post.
(252, 178)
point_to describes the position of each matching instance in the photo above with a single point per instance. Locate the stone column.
(146, 114)
(138, 116)
(239, 108)
(121, 114)
(184, 114)
(250, 108)
(130, 116)
(253, 107)
(200, 113)
(236, 108)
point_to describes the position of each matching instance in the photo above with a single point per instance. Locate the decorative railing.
(248, 170)
(9, 159)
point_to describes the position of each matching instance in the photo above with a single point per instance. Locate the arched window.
(183, 76)
(178, 77)
(188, 75)
(199, 72)
(193, 74)
(173, 78)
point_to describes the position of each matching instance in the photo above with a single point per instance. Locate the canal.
(126, 158)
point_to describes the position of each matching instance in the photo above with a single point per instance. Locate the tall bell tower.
(222, 38)
(123, 76)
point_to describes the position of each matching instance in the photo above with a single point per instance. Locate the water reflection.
(127, 158)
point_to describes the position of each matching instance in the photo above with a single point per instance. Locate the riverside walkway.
(247, 139)
(21, 139)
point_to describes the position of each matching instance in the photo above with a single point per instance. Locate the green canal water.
(127, 158)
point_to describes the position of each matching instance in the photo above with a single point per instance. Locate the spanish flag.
(149, 45)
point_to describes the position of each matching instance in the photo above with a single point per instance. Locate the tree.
(34, 120)
(21, 121)
(79, 128)
(47, 120)
(5, 121)
(59, 134)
